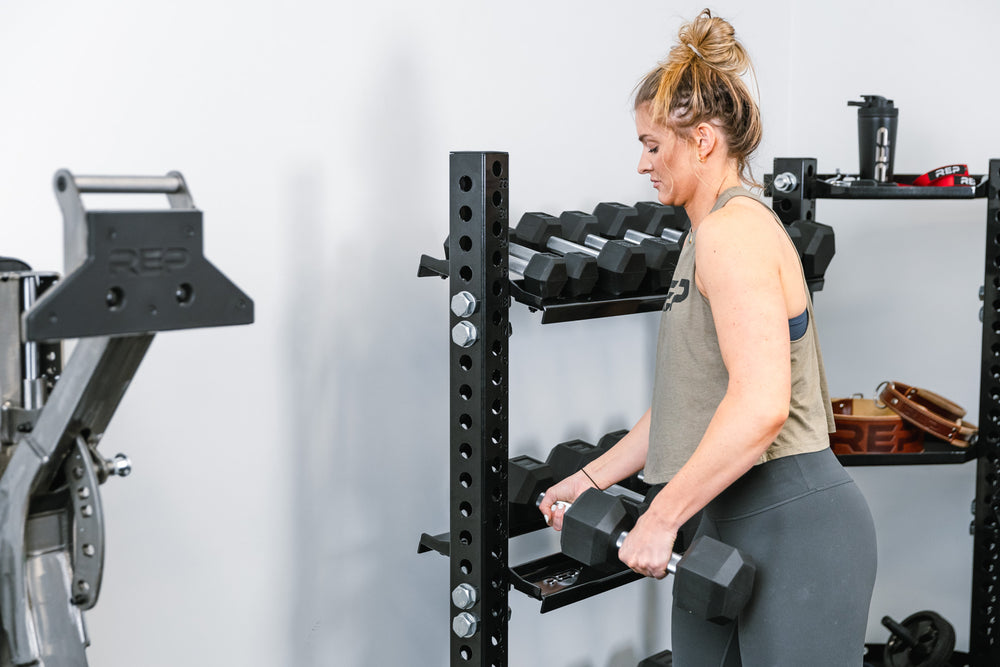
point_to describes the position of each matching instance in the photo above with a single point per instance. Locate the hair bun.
(713, 41)
(701, 80)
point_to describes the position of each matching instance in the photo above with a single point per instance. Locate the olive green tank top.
(691, 378)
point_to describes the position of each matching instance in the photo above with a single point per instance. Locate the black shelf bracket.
(558, 580)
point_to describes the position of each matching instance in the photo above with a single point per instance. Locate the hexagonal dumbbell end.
(591, 527)
(576, 225)
(542, 274)
(816, 246)
(609, 440)
(615, 218)
(654, 217)
(527, 480)
(534, 229)
(567, 457)
(623, 268)
(713, 580)
(581, 272)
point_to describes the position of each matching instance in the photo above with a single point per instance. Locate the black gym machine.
(127, 275)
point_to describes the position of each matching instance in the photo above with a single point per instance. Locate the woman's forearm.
(626, 458)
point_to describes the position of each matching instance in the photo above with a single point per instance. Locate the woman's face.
(667, 158)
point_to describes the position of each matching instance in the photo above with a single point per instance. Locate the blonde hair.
(701, 81)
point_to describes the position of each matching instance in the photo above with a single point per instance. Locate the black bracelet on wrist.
(584, 471)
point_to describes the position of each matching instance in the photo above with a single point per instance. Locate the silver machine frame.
(127, 275)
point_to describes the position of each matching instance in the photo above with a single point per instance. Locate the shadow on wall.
(363, 341)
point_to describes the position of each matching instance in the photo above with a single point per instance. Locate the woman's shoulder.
(743, 221)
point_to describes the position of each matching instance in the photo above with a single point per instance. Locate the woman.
(740, 418)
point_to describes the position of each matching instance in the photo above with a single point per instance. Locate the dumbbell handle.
(517, 264)
(521, 252)
(675, 557)
(637, 237)
(562, 246)
(559, 504)
(594, 241)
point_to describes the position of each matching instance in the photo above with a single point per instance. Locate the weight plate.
(935, 639)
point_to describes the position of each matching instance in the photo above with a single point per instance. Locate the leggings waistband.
(777, 482)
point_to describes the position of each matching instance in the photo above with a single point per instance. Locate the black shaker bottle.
(877, 120)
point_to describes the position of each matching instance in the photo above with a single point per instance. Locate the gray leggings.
(808, 528)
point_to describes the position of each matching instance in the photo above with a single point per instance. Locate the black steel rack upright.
(480, 301)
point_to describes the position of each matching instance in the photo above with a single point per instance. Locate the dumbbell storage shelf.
(797, 201)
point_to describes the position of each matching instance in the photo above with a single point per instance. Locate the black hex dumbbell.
(646, 216)
(580, 269)
(577, 224)
(567, 457)
(711, 580)
(654, 217)
(660, 255)
(542, 274)
(614, 218)
(815, 243)
(620, 269)
(528, 478)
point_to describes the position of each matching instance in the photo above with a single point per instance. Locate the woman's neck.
(706, 196)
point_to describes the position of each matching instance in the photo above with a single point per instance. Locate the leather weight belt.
(864, 427)
(929, 412)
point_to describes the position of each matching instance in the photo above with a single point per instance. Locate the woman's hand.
(647, 547)
(553, 505)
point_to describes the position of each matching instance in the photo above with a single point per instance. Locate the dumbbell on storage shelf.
(815, 243)
(542, 274)
(652, 219)
(568, 457)
(655, 217)
(660, 255)
(580, 271)
(620, 269)
(528, 478)
(711, 580)
(647, 217)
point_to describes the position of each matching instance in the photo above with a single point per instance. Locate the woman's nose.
(644, 165)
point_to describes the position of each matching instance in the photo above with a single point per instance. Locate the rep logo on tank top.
(678, 292)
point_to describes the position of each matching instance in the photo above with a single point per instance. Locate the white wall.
(284, 471)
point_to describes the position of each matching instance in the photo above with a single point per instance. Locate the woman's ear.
(706, 136)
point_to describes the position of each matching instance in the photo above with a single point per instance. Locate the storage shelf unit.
(799, 203)
(480, 525)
